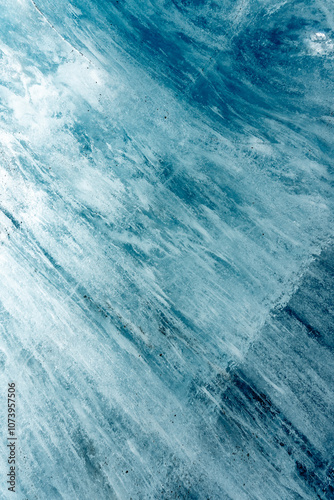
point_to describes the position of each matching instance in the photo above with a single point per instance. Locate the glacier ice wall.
(166, 256)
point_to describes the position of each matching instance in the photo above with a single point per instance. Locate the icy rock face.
(166, 216)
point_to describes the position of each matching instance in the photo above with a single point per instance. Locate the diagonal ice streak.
(165, 191)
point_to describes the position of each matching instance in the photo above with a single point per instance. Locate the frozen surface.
(166, 251)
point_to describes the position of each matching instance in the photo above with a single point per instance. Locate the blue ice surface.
(166, 257)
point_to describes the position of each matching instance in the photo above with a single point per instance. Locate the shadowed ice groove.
(166, 194)
(277, 406)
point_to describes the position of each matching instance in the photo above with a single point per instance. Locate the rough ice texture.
(166, 257)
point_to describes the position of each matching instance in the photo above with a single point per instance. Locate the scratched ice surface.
(166, 257)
